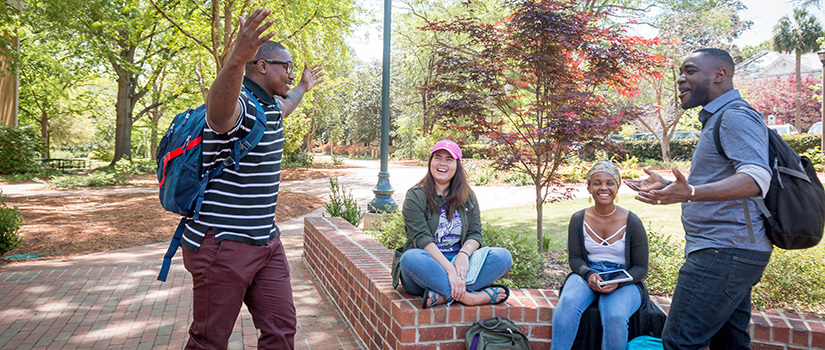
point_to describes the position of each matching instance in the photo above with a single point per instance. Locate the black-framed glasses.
(290, 66)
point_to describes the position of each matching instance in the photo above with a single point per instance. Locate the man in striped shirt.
(233, 250)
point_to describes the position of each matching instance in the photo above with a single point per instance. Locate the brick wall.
(353, 270)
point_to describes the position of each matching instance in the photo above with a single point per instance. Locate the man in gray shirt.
(711, 304)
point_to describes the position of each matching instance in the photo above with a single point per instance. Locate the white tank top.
(602, 250)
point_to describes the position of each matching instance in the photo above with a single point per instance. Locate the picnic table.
(67, 163)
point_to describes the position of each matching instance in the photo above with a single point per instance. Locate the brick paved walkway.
(113, 301)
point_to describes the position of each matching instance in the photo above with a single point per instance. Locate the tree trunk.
(44, 133)
(665, 144)
(798, 121)
(123, 124)
(156, 113)
(539, 214)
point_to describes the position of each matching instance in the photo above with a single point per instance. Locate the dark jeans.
(230, 273)
(711, 305)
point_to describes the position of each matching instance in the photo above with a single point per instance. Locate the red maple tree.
(776, 96)
(536, 84)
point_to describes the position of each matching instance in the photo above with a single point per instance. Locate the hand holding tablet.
(614, 276)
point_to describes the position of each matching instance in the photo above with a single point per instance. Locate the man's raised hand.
(251, 34)
(312, 76)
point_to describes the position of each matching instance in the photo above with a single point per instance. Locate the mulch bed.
(58, 226)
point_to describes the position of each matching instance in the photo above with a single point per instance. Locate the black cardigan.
(636, 256)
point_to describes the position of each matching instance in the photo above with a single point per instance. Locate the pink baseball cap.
(448, 145)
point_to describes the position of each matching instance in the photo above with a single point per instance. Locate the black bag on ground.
(794, 207)
(494, 334)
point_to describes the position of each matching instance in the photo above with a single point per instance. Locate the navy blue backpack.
(181, 177)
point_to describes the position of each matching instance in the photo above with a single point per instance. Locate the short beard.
(699, 96)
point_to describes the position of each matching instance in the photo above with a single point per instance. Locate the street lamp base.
(383, 202)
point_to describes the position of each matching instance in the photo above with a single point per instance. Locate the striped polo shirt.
(239, 205)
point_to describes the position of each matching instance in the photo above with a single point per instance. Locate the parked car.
(616, 138)
(642, 136)
(816, 128)
(685, 134)
(784, 129)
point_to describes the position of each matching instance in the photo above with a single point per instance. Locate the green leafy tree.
(798, 36)
(126, 36)
(534, 82)
(682, 28)
(49, 80)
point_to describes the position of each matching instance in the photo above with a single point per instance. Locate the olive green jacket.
(420, 224)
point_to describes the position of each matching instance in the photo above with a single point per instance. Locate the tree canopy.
(534, 82)
(799, 37)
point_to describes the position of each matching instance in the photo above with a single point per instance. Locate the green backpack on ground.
(495, 333)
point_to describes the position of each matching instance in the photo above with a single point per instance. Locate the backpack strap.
(240, 149)
(170, 252)
(717, 140)
(721, 113)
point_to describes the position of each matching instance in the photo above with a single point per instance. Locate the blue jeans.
(420, 271)
(615, 309)
(711, 304)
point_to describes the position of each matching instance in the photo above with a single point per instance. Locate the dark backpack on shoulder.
(181, 177)
(494, 334)
(794, 207)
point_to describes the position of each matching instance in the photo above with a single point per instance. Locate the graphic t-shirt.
(448, 233)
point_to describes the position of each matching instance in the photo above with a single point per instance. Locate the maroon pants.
(230, 273)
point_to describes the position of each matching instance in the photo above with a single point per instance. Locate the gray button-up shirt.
(744, 137)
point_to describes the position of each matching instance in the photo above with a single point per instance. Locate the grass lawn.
(663, 218)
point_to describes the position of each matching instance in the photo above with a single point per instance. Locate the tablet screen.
(615, 276)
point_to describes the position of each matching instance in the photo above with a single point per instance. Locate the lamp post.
(821, 55)
(383, 203)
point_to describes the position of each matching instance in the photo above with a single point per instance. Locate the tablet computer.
(615, 276)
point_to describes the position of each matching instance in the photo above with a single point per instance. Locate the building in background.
(767, 82)
(771, 64)
(9, 80)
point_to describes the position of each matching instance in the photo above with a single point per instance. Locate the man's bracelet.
(465, 253)
(692, 192)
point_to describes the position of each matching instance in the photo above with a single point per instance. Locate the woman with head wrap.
(604, 237)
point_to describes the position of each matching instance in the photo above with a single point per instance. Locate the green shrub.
(42, 173)
(477, 151)
(479, 173)
(337, 160)
(792, 280)
(390, 231)
(517, 177)
(665, 259)
(136, 166)
(815, 155)
(683, 149)
(20, 150)
(679, 150)
(298, 158)
(629, 169)
(528, 263)
(10, 222)
(94, 179)
(801, 143)
(575, 170)
(342, 204)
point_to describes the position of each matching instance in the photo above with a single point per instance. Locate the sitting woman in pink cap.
(443, 259)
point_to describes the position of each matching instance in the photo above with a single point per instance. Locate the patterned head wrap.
(605, 166)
